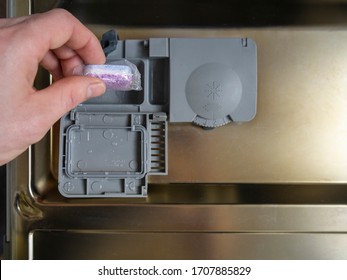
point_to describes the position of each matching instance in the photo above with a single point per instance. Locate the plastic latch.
(109, 41)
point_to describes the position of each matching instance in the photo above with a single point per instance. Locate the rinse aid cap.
(213, 91)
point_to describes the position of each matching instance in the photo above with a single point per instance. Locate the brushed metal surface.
(157, 245)
(300, 131)
(274, 188)
(299, 134)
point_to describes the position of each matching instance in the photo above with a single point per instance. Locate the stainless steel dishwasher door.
(274, 188)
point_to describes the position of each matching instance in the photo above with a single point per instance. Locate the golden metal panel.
(188, 245)
(294, 153)
(300, 131)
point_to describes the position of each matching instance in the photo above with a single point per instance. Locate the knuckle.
(63, 15)
(61, 12)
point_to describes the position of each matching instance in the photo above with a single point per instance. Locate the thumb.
(65, 94)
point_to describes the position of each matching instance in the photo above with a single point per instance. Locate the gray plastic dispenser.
(110, 144)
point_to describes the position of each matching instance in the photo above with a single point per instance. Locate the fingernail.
(78, 70)
(96, 89)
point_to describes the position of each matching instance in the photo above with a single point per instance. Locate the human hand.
(58, 42)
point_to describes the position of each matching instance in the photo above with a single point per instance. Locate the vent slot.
(158, 147)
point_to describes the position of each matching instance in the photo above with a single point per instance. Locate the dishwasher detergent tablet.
(121, 76)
